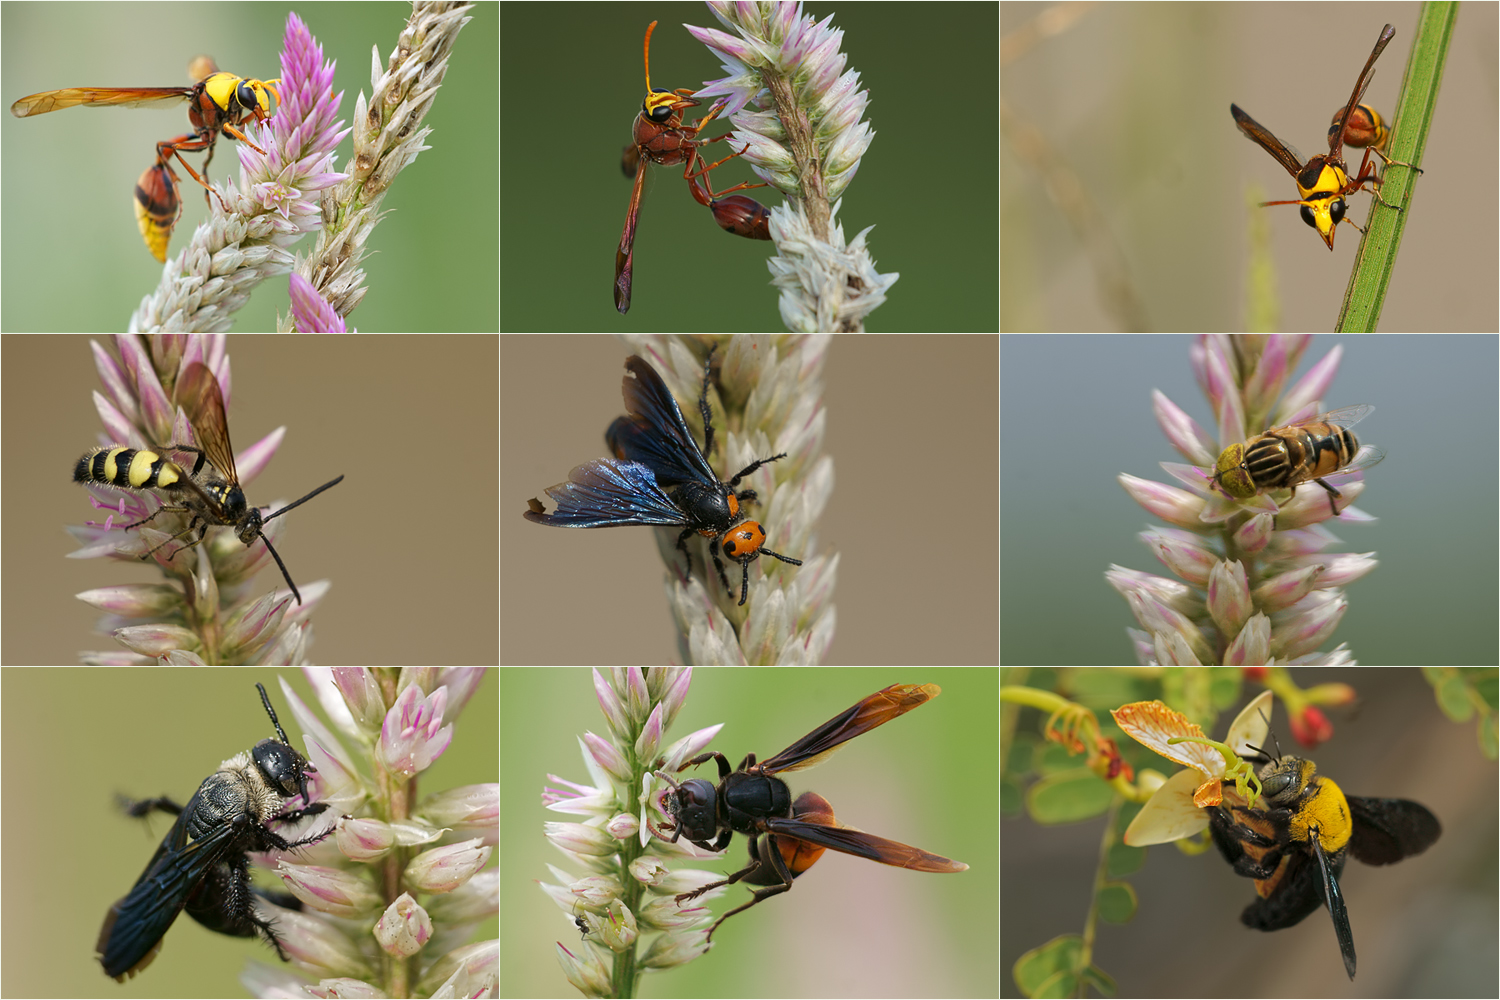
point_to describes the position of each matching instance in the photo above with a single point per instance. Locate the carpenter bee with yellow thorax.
(1295, 841)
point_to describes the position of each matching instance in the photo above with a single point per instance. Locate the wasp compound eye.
(659, 476)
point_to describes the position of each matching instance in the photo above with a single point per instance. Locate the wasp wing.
(864, 845)
(876, 710)
(606, 493)
(201, 399)
(120, 97)
(655, 434)
(1257, 133)
(1336, 141)
(135, 925)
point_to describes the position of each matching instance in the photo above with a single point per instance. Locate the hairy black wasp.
(655, 453)
(202, 865)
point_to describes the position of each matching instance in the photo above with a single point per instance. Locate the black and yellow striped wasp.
(1323, 182)
(209, 494)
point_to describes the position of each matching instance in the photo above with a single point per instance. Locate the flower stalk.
(808, 143)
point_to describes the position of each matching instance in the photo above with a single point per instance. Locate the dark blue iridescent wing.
(655, 434)
(606, 493)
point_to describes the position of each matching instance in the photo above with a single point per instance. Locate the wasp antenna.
(284, 574)
(298, 503)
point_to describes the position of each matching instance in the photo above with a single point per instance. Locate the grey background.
(1076, 412)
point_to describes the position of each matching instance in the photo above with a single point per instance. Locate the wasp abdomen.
(127, 468)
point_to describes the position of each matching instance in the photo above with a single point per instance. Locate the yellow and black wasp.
(1325, 181)
(210, 494)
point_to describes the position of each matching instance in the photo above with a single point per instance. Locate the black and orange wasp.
(786, 836)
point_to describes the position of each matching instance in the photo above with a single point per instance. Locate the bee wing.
(135, 924)
(1346, 416)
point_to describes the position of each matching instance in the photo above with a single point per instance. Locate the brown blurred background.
(1134, 98)
(914, 517)
(407, 538)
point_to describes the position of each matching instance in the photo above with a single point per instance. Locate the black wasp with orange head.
(787, 837)
(655, 453)
(1323, 182)
(210, 494)
(218, 104)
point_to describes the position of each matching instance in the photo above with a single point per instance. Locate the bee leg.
(144, 806)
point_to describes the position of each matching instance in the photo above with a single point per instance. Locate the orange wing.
(121, 97)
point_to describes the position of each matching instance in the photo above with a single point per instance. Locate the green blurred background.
(572, 86)
(73, 256)
(143, 732)
(848, 927)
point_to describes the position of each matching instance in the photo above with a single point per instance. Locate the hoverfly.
(1283, 457)
(211, 492)
(787, 837)
(1323, 182)
(218, 103)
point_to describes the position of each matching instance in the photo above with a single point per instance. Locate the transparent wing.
(1346, 416)
(1367, 456)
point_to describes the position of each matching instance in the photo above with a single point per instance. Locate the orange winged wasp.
(788, 836)
(218, 104)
